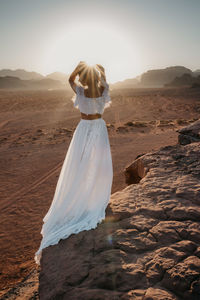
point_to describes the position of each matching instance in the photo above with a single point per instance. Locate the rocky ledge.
(148, 247)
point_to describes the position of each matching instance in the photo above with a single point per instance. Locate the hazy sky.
(127, 36)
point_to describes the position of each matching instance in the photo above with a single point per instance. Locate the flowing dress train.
(84, 185)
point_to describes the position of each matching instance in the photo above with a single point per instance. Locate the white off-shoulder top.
(92, 105)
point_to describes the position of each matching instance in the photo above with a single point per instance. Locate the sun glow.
(95, 44)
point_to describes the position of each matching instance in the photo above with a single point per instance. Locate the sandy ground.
(35, 131)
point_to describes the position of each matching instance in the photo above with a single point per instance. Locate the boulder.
(189, 134)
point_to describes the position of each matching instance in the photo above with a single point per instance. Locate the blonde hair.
(91, 75)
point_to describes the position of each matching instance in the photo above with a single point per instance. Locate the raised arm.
(74, 74)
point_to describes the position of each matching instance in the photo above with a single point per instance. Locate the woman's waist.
(90, 116)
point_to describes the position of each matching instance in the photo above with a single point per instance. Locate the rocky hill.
(184, 80)
(156, 78)
(159, 77)
(11, 82)
(22, 79)
(196, 72)
(127, 83)
(148, 247)
(62, 77)
(8, 82)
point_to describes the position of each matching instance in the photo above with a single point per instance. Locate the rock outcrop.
(160, 77)
(148, 247)
(189, 134)
(184, 80)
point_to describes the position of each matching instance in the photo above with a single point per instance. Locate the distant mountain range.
(25, 75)
(160, 77)
(11, 82)
(156, 77)
(22, 79)
(21, 74)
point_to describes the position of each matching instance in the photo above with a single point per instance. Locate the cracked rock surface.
(148, 247)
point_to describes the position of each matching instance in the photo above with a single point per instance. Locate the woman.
(84, 185)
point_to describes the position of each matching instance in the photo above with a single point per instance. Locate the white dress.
(84, 185)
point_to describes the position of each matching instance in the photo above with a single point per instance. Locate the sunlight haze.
(127, 37)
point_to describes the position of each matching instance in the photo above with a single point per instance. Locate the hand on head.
(102, 71)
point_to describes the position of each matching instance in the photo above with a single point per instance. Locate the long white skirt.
(84, 186)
